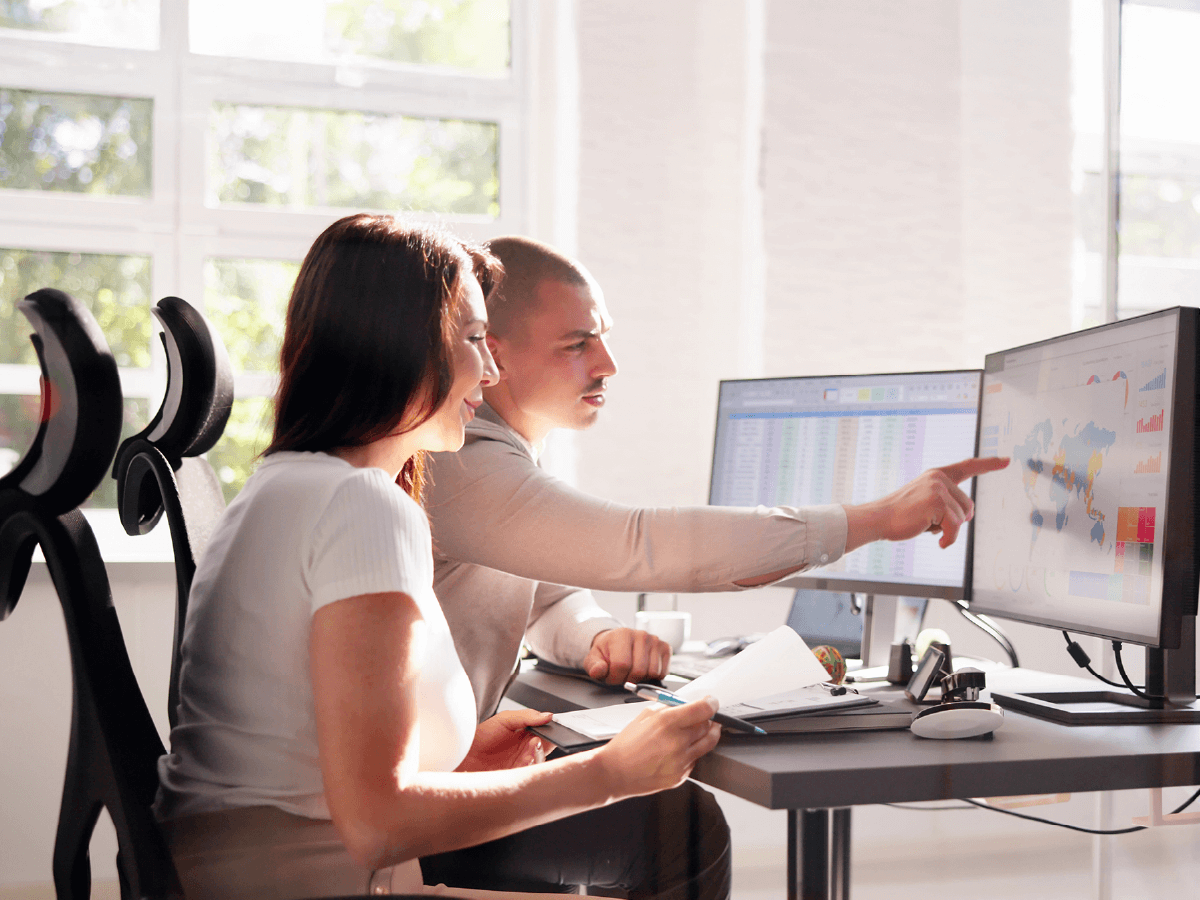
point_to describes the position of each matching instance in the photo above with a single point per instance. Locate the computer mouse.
(957, 719)
(725, 646)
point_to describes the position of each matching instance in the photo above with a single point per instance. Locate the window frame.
(175, 227)
(1113, 170)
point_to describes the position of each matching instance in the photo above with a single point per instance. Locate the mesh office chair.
(159, 470)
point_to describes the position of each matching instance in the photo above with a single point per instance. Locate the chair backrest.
(114, 746)
(112, 759)
(159, 470)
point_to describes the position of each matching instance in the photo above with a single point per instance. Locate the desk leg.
(818, 867)
(840, 855)
(808, 854)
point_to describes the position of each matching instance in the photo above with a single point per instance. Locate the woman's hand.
(657, 750)
(502, 742)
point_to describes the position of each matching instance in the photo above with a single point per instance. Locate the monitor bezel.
(850, 583)
(1180, 572)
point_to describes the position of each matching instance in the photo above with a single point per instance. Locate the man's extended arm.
(932, 502)
(492, 506)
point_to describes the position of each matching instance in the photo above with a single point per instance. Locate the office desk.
(811, 774)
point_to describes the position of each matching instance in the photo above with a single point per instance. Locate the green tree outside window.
(77, 143)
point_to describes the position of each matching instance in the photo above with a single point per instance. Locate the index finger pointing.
(969, 468)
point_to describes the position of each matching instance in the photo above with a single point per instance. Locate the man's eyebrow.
(594, 332)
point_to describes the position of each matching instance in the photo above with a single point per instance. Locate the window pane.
(19, 424)
(1087, 162)
(115, 288)
(108, 23)
(463, 34)
(1160, 215)
(79, 143)
(246, 299)
(1160, 159)
(136, 417)
(246, 435)
(467, 34)
(306, 158)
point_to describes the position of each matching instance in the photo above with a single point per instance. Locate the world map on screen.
(1075, 465)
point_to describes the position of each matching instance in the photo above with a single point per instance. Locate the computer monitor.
(848, 439)
(1093, 527)
(828, 617)
(846, 622)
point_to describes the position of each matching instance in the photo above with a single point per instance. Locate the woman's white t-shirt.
(307, 530)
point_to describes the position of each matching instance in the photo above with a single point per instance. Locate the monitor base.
(1100, 707)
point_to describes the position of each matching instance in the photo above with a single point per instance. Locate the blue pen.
(662, 695)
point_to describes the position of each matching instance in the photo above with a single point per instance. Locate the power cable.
(1085, 662)
(1008, 812)
(1116, 645)
(988, 626)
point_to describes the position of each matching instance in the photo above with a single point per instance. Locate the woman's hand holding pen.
(658, 749)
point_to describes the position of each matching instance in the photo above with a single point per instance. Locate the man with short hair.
(509, 538)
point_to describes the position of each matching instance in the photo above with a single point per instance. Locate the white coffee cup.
(670, 625)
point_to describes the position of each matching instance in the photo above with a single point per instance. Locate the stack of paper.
(767, 678)
(779, 662)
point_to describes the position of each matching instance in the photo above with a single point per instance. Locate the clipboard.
(564, 738)
(775, 679)
(876, 715)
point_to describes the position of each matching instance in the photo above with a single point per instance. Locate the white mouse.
(957, 719)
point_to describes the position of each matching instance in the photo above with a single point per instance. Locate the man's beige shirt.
(508, 537)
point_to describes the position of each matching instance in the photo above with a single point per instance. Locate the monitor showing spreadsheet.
(808, 441)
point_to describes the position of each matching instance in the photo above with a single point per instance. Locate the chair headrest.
(199, 393)
(81, 405)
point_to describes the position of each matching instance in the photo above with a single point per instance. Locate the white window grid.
(175, 226)
(1121, 157)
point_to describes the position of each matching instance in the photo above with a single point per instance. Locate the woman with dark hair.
(326, 737)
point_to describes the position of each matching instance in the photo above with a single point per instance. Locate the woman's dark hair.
(367, 342)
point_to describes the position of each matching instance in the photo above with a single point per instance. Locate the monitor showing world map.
(1092, 526)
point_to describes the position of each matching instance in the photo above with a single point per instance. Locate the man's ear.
(498, 348)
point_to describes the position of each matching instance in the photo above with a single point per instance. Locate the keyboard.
(691, 665)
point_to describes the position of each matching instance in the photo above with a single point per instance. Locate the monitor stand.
(888, 619)
(1169, 673)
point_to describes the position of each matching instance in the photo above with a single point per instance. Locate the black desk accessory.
(900, 668)
(933, 667)
(961, 713)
